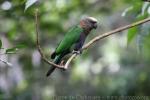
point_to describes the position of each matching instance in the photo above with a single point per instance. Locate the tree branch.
(94, 40)
(99, 37)
(7, 63)
(38, 43)
(69, 61)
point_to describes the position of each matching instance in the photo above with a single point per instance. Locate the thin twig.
(97, 38)
(38, 43)
(69, 61)
(7, 63)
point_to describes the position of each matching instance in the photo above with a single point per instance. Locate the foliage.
(140, 10)
(14, 49)
(29, 3)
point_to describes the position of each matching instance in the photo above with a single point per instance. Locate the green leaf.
(29, 3)
(14, 49)
(0, 44)
(11, 50)
(131, 34)
(127, 10)
(143, 36)
(139, 42)
(20, 46)
(135, 9)
(141, 17)
(145, 7)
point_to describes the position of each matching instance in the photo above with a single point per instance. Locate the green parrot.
(73, 40)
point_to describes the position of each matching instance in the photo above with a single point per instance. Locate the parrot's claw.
(77, 52)
(62, 63)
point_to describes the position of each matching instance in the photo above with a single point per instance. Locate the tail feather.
(53, 55)
(52, 68)
(50, 71)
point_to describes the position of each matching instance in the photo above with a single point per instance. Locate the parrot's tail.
(52, 68)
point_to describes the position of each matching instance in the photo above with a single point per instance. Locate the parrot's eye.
(93, 22)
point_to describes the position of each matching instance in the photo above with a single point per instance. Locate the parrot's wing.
(71, 37)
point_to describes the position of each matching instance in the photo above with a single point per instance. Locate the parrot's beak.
(95, 26)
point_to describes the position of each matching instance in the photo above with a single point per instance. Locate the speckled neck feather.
(85, 27)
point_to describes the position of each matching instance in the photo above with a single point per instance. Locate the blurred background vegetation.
(117, 65)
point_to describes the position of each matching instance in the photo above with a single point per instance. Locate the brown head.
(88, 23)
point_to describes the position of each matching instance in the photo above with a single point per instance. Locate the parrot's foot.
(77, 52)
(62, 63)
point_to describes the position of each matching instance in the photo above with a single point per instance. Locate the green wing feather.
(70, 38)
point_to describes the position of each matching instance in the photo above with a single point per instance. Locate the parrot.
(73, 40)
